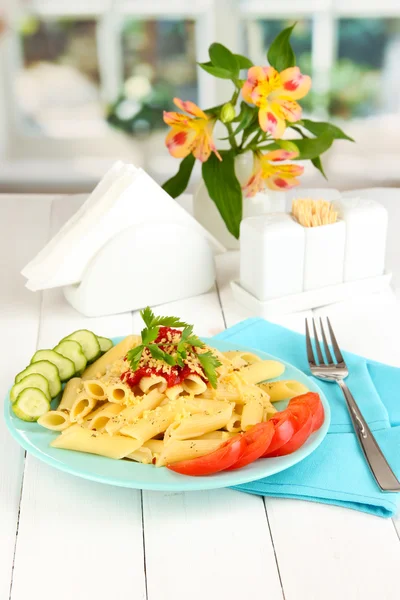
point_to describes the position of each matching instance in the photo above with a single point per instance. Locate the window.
(58, 85)
(159, 63)
(365, 77)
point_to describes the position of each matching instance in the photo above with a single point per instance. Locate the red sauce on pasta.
(174, 377)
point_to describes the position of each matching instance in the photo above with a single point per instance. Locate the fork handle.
(378, 464)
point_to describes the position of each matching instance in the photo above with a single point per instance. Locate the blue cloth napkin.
(336, 472)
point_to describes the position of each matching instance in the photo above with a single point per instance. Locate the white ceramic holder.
(147, 264)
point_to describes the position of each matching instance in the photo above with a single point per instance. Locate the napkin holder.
(146, 264)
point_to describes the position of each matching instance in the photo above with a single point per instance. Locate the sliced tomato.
(257, 439)
(314, 403)
(285, 425)
(304, 421)
(219, 460)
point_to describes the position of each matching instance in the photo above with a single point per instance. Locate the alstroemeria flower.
(190, 134)
(275, 177)
(275, 94)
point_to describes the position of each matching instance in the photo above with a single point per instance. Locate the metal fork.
(336, 371)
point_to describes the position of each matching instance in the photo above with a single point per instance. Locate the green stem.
(232, 139)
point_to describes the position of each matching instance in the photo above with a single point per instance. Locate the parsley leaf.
(159, 354)
(152, 321)
(134, 356)
(147, 316)
(149, 335)
(209, 362)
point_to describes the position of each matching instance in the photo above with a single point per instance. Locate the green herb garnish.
(188, 339)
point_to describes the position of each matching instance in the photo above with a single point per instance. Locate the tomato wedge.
(314, 403)
(225, 456)
(285, 425)
(257, 439)
(304, 423)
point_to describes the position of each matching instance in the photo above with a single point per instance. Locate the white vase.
(207, 214)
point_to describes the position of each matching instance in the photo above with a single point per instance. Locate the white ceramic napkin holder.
(286, 268)
(147, 264)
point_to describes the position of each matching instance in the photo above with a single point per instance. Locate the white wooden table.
(64, 537)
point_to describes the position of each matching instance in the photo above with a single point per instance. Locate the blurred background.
(84, 82)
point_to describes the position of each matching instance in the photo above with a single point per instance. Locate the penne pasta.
(128, 415)
(252, 414)
(193, 384)
(120, 393)
(262, 370)
(175, 451)
(99, 418)
(155, 382)
(72, 388)
(82, 406)
(56, 420)
(84, 440)
(191, 399)
(99, 367)
(95, 389)
(174, 392)
(234, 424)
(199, 424)
(283, 390)
(151, 424)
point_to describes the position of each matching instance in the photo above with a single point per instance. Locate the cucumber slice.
(105, 343)
(34, 381)
(48, 370)
(88, 341)
(73, 350)
(31, 404)
(65, 366)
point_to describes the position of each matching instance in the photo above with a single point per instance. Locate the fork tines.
(336, 350)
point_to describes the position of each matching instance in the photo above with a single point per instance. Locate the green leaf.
(224, 189)
(247, 116)
(209, 362)
(147, 316)
(318, 165)
(179, 182)
(243, 61)
(223, 58)
(149, 335)
(280, 54)
(168, 322)
(159, 354)
(312, 148)
(134, 356)
(216, 71)
(320, 127)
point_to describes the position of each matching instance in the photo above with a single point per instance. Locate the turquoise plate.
(124, 473)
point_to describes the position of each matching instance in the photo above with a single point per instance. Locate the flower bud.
(227, 113)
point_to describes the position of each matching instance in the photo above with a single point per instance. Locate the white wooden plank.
(216, 545)
(208, 531)
(323, 551)
(76, 526)
(331, 552)
(24, 227)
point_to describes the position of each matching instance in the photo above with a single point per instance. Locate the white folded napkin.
(124, 197)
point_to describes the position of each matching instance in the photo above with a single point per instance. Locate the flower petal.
(256, 182)
(288, 109)
(204, 143)
(271, 122)
(190, 107)
(180, 141)
(284, 177)
(294, 83)
(277, 155)
(174, 118)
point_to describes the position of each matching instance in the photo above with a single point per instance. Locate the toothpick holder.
(146, 264)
